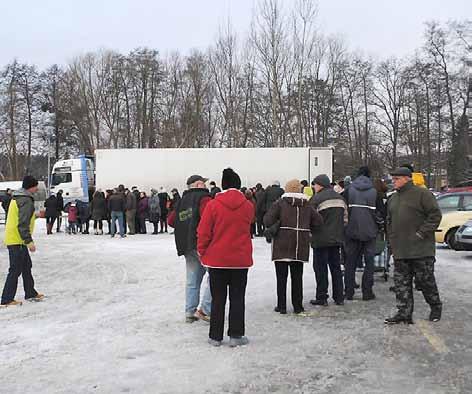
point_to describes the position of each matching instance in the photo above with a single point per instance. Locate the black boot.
(397, 319)
(319, 302)
(435, 314)
(282, 311)
(368, 297)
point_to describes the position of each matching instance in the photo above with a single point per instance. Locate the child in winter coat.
(291, 245)
(72, 217)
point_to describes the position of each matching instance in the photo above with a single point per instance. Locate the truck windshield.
(65, 177)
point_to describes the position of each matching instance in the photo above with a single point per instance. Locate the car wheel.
(451, 239)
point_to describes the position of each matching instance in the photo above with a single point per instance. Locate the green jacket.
(413, 216)
(20, 220)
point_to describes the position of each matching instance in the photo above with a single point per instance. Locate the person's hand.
(32, 247)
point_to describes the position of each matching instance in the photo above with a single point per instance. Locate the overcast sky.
(53, 31)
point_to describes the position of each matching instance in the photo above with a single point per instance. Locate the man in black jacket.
(260, 209)
(60, 208)
(137, 197)
(6, 199)
(361, 233)
(214, 189)
(272, 194)
(327, 240)
(51, 212)
(185, 219)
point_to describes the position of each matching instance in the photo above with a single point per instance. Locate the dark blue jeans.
(324, 258)
(115, 215)
(20, 264)
(355, 249)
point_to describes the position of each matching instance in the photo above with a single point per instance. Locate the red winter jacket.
(224, 232)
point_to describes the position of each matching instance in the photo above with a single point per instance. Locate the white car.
(464, 237)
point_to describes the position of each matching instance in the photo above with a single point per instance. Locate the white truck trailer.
(153, 168)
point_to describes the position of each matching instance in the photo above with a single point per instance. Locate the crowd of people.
(129, 208)
(213, 230)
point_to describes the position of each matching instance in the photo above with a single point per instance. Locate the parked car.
(463, 239)
(457, 210)
(465, 186)
(449, 202)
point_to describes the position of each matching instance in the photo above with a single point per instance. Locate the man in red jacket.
(224, 244)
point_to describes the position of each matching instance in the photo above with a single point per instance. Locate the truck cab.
(75, 177)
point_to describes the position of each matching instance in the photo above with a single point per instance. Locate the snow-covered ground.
(113, 322)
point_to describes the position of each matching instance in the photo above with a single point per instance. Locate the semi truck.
(75, 177)
(169, 168)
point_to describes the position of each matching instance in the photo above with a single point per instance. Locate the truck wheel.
(451, 238)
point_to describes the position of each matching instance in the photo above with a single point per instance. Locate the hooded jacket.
(361, 198)
(224, 232)
(20, 220)
(297, 220)
(271, 195)
(51, 206)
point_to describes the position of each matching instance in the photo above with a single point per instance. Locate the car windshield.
(449, 203)
(65, 177)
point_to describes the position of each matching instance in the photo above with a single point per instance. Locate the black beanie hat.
(230, 180)
(322, 180)
(29, 182)
(364, 171)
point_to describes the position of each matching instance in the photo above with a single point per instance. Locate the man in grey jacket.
(361, 233)
(19, 241)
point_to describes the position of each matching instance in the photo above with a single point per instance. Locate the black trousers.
(50, 220)
(20, 264)
(59, 221)
(163, 222)
(296, 275)
(84, 225)
(98, 224)
(355, 249)
(156, 227)
(220, 281)
(260, 225)
(137, 224)
(142, 225)
(324, 258)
